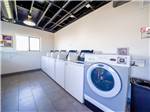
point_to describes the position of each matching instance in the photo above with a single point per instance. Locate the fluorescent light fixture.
(29, 21)
(88, 6)
(8, 10)
(72, 16)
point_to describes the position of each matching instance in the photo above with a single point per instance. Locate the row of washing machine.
(67, 69)
(94, 79)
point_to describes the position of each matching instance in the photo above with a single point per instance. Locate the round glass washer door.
(103, 80)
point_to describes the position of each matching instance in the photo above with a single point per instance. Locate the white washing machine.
(106, 81)
(74, 75)
(60, 68)
(52, 62)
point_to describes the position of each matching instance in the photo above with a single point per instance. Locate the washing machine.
(74, 74)
(106, 81)
(60, 67)
(52, 63)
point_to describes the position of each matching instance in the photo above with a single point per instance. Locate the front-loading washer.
(106, 81)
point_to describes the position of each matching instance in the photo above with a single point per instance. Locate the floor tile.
(10, 104)
(36, 92)
(27, 104)
(9, 111)
(25, 92)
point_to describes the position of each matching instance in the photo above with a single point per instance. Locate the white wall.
(149, 41)
(149, 15)
(14, 61)
(107, 29)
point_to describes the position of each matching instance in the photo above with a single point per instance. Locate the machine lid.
(62, 55)
(82, 53)
(72, 55)
(103, 80)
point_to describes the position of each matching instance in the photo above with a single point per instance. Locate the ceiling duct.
(117, 3)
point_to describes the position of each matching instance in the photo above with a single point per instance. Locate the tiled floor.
(36, 92)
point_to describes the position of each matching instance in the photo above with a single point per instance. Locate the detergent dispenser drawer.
(140, 95)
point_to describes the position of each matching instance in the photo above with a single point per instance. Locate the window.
(24, 43)
(34, 44)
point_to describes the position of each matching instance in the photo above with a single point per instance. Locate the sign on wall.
(6, 41)
(123, 51)
(145, 32)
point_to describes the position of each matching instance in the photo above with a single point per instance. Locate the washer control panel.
(119, 60)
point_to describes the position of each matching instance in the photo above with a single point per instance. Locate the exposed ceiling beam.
(78, 9)
(67, 16)
(84, 5)
(55, 24)
(61, 12)
(27, 8)
(45, 16)
(16, 12)
(68, 12)
(49, 5)
(56, 14)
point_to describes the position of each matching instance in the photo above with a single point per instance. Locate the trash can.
(140, 95)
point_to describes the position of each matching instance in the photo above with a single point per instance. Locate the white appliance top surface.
(118, 60)
(72, 56)
(54, 54)
(62, 55)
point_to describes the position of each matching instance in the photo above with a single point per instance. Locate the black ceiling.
(50, 15)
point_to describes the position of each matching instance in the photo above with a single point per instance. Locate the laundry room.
(75, 56)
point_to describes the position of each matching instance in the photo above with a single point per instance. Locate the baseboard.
(20, 72)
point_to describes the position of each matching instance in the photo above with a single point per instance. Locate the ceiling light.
(72, 16)
(8, 10)
(88, 6)
(29, 21)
